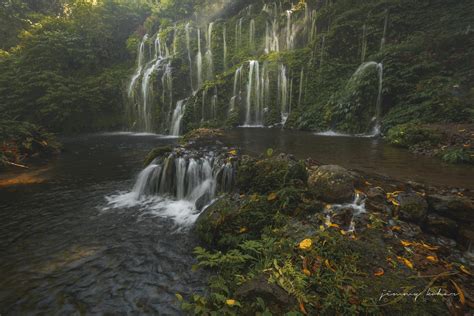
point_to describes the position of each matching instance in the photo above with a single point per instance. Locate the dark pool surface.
(366, 154)
(62, 254)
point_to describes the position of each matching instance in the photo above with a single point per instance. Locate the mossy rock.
(269, 175)
(157, 152)
(409, 135)
(332, 183)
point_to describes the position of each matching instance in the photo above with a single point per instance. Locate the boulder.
(440, 225)
(452, 206)
(332, 184)
(376, 199)
(274, 296)
(413, 207)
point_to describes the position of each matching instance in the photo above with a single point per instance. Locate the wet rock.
(332, 184)
(440, 225)
(343, 217)
(376, 199)
(413, 207)
(275, 297)
(452, 206)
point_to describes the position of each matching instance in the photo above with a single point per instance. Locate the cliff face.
(349, 66)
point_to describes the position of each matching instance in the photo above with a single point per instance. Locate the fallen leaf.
(233, 152)
(302, 309)
(328, 265)
(465, 270)
(306, 272)
(432, 258)
(396, 228)
(305, 244)
(179, 297)
(334, 225)
(242, 230)
(405, 243)
(462, 298)
(406, 262)
(429, 247)
(230, 302)
(379, 272)
(272, 196)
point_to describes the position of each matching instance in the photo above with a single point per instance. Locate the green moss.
(408, 135)
(157, 152)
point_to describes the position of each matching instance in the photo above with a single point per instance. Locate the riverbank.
(298, 236)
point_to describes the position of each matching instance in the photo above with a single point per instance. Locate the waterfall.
(188, 39)
(224, 39)
(313, 26)
(290, 31)
(214, 105)
(300, 92)
(283, 93)
(138, 71)
(238, 34)
(385, 26)
(252, 34)
(175, 39)
(177, 118)
(199, 60)
(364, 43)
(321, 60)
(253, 94)
(167, 87)
(203, 104)
(209, 57)
(186, 177)
(235, 94)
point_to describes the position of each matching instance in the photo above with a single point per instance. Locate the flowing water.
(62, 253)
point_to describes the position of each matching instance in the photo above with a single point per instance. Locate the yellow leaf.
(321, 228)
(254, 197)
(305, 244)
(462, 299)
(242, 230)
(179, 297)
(334, 225)
(379, 272)
(306, 272)
(343, 232)
(429, 247)
(465, 270)
(405, 243)
(233, 152)
(302, 309)
(396, 228)
(230, 302)
(328, 206)
(405, 261)
(272, 196)
(432, 258)
(328, 265)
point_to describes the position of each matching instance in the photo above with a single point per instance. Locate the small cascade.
(224, 39)
(138, 71)
(199, 60)
(253, 96)
(356, 209)
(188, 48)
(385, 26)
(238, 34)
(209, 57)
(290, 36)
(178, 114)
(186, 177)
(252, 34)
(167, 87)
(236, 94)
(364, 43)
(283, 93)
(300, 92)
(203, 104)
(214, 104)
(313, 30)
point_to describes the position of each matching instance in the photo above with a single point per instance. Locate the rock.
(332, 184)
(376, 199)
(274, 296)
(343, 217)
(452, 206)
(440, 225)
(413, 207)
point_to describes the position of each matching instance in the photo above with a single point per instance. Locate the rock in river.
(332, 183)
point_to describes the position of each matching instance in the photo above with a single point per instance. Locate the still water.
(64, 250)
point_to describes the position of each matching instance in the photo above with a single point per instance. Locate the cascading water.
(385, 26)
(238, 34)
(283, 93)
(290, 31)
(138, 71)
(252, 34)
(300, 91)
(188, 48)
(236, 94)
(224, 39)
(209, 57)
(364, 43)
(199, 60)
(253, 96)
(177, 118)
(179, 186)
